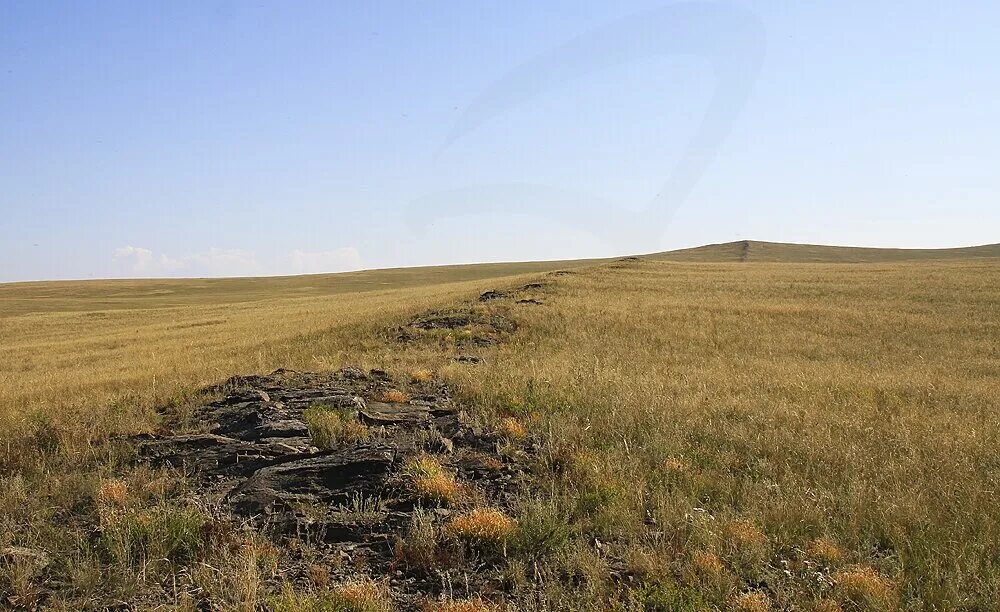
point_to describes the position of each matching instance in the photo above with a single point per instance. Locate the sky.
(223, 138)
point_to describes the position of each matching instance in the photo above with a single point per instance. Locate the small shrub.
(706, 563)
(364, 595)
(431, 481)
(744, 535)
(751, 601)
(864, 587)
(463, 605)
(418, 549)
(113, 493)
(319, 575)
(393, 396)
(542, 530)
(825, 550)
(365, 509)
(670, 598)
(512, 429)
(174, 534)
(484, 525)
(421, 376)
(333, 427)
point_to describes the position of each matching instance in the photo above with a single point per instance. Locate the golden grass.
(96, 356)
(431, 481)
(482, 525)
(752, 410)
(825, 550)
(330, 428)
(464, 605)
(422, 375)
(751, 601)
(865, 587)
(512, 429)
(393, 396)
(856, 401)
(363, 596)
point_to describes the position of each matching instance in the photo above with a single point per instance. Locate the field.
(747, 426)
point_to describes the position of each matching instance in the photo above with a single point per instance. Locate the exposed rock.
(210, 454)
(258, 462)
(448, 320)
(332, 477)
(493, 294)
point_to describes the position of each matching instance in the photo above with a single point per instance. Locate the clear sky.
(235, 138)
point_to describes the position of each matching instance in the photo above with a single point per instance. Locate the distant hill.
(758, 251)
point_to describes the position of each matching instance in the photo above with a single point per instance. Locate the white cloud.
(313, 262)
(214, 262)
(139, 261)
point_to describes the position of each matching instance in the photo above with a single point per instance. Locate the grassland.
(736, 434)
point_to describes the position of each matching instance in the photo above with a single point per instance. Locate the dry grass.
(855, 402)
(864, 587)
(422, 375)
(464, 605)
(826, 551)
(333, 427)
(488, 525)
(512, 429)
(393, 396)
(751, 601)
(431, 481)
(720, 418)
(362, 595)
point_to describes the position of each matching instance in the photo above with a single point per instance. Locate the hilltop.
(785, 252)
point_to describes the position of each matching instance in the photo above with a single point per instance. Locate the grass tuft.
(825, 550)
(422, 375)
(484, 525)
(864, 587)
(334, 427)
(751, 601)
(393, 396)
(432, 481)
(512, 429)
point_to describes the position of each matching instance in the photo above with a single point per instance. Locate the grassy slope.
(758, 251)
(91, 295)
(784, 403)
(717, 424)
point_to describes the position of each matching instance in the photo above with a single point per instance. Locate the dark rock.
(327, 478)
(355, 501)
(376, 413)
(443, 321)
(468, 359)
(492, 295)
(208, 454)
(530, 301)
(351, 373)
(532, 286)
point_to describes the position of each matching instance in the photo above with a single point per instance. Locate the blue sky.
(228, 138)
